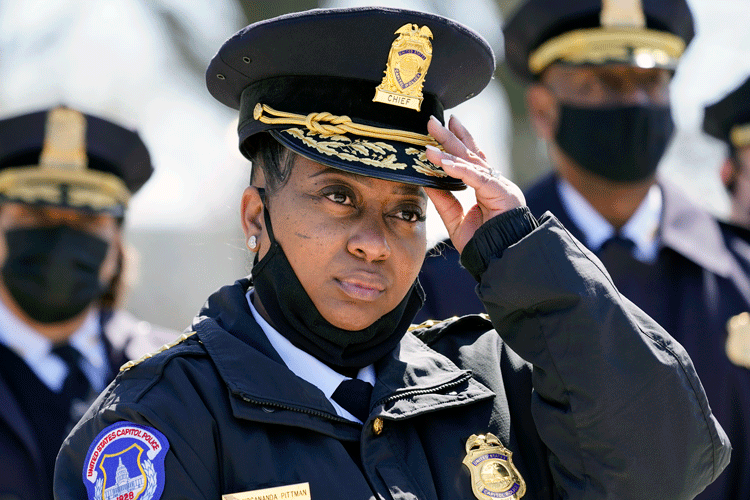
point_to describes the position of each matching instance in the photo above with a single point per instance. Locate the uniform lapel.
(693, 232)
(12, 415)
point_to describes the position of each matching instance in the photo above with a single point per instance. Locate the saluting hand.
(463, 160)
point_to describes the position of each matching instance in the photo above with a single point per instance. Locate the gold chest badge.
(738, 340)
(493, 474)
(408, 61)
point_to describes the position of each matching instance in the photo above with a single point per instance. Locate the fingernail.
(432, 148)
(432, 118)
(447, 162)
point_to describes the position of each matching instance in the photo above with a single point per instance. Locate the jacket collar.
(693, 232)
(412, 379)
(684, 228)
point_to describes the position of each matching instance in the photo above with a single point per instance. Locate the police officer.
(598, 74)
(729, 120)
(303, 382)
(65, 181)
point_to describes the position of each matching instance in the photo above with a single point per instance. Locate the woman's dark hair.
(275, 160)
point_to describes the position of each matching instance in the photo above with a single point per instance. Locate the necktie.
(354, 396)
(76, 385)
(616, 254)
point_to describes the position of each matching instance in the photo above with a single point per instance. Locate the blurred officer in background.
(729, 120)
(65, 182)
(598, 74)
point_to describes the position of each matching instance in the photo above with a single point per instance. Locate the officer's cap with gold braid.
(729, 118)
(643, 33)
(352, 88)
(66, 158)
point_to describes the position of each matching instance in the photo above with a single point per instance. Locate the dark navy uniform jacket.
(592, 397)
(22, 471)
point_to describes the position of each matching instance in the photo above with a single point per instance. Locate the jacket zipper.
(336, 418)
(328, 416)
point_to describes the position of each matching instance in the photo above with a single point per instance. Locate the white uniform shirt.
(642, 228)
(36, 350)
(308, 367)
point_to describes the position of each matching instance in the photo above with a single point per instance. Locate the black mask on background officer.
(729, 120)
(65, 182)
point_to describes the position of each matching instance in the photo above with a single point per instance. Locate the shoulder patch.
(126, 462)
(178, 340)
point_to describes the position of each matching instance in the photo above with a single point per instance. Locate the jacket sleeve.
(184, 474)
(616, 399)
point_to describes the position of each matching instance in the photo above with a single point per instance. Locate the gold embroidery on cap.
(423, 165)
(333, 129)
(327, 124)
(374, 154)
(64, 140)
(63, 161)
(493, 474)
(622, 14)
(407, 65)
(740, 135)
(738, 339)
(601, 45)
(622, 37)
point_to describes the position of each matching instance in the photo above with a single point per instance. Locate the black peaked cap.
(537, 21)
(730, 111)
(331, 61)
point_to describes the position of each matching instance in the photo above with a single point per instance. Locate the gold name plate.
(299, 491)
(404, 101)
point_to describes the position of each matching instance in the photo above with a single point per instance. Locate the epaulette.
(179, 340)
(430, 323)
(432, 330)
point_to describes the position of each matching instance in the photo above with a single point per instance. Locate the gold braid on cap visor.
(327, 124)
(740, 136)
(602, 45)
(90, 188)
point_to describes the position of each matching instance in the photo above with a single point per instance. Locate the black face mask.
(294, 315)
(53, 272)
(622, 144)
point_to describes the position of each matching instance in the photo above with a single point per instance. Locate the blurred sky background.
(141, 63)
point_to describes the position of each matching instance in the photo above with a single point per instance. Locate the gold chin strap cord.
(327, 124)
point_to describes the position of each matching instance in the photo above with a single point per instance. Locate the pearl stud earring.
(252, 242)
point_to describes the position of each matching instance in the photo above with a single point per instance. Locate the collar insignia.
(738, 340)
(493, 474)
(407, 65)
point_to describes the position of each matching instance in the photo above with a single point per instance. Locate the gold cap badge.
(64, 140)
(407, 65)
(493, 474)
(623, 14)
(738, 339)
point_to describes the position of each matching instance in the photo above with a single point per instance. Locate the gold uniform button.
(377, 426)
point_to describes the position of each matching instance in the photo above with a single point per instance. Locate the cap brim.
(382, 159)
